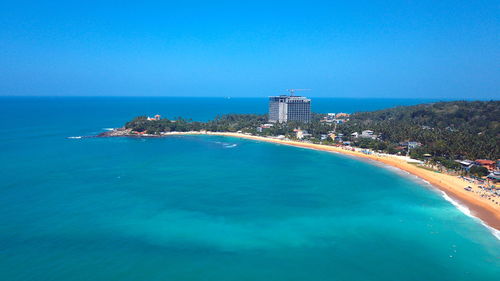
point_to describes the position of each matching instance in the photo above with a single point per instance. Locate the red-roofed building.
(488, 164)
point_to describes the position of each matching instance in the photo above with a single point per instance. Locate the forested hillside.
(459, 129)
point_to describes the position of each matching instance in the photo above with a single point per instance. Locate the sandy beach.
(481, 207)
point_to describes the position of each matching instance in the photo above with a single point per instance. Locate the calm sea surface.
(214, 208)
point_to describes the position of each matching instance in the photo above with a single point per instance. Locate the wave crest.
(464, 209)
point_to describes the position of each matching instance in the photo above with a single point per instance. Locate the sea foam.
(462, 208)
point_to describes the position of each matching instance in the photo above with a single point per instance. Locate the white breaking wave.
(77, 137)
(108, 129)
(467, 212)
(455, 203)
(493, 231)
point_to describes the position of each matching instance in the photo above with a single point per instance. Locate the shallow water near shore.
(216, 208)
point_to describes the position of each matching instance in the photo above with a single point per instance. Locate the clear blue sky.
(413, 49)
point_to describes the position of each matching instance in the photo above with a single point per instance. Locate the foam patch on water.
(466, 211)
(226, 144)
(75, 137)
(108, 129)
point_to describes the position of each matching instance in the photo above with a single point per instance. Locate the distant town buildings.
(338, 118)
(342, 115)
(289, 108)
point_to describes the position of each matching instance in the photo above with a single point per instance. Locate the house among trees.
(263, 126)
(300, 134)
(157, 117)
(366, 134)
(410, 144)
(465, 164)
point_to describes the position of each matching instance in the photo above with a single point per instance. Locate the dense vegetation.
(452, 130)
(446, 130)
(225, 123)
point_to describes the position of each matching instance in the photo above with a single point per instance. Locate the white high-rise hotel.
(289, 108)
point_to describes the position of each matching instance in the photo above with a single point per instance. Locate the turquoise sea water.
(213, 208)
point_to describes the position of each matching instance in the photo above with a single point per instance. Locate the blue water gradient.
(213, 208)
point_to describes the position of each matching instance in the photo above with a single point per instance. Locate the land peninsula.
(434, 142)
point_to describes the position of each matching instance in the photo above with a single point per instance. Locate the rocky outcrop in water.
(118, 132)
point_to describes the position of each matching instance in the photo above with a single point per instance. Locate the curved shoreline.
(487, 211)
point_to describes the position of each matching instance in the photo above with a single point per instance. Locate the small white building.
(367, 133)
(157, 117)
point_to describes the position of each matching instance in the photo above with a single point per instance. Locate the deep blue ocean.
(214, 208)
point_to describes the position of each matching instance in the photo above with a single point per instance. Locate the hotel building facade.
(289, 108)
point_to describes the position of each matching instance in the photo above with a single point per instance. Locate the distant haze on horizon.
(357, 49)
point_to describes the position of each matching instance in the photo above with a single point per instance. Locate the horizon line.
(246, 97)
